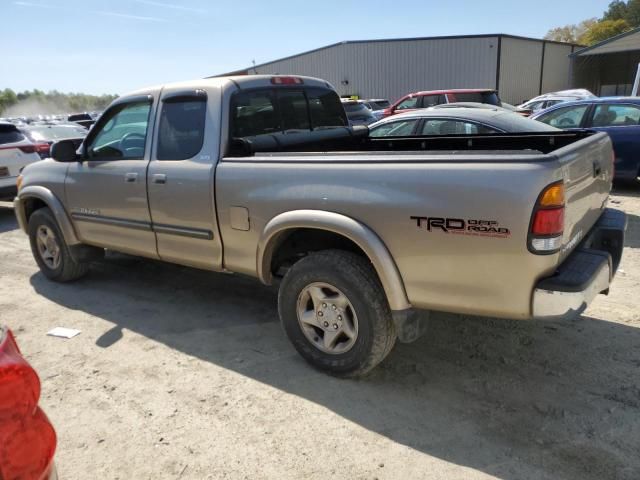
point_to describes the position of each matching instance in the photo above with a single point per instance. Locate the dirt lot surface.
(184, 374)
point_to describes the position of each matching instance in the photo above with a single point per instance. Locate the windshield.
(480, 97)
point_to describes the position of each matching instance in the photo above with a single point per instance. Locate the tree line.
(52, 102)
(619, 17)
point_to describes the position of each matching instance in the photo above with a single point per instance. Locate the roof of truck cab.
(241, 81)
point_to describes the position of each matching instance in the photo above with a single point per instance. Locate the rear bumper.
(587, 272)
(8, 190)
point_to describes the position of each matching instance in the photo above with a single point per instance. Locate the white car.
(547, 100)
(16, 152)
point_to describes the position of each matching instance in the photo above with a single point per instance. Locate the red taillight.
(27, 439)
(548, 222)
(28, 149)
(27, 447)
(286, 81)
(19, 383)
(42, 148)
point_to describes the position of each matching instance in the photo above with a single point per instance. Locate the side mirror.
(64, 151)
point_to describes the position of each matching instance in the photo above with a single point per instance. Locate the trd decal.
(459, 226)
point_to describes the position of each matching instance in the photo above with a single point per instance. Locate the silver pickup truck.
(261, 176)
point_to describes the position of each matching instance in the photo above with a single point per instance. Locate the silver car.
(455, 121)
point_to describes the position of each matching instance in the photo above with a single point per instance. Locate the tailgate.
(587, 167)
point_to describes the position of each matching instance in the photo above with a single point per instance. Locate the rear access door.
(181, 178)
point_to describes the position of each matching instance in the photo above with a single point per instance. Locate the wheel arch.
(32, 198)
(366, 240)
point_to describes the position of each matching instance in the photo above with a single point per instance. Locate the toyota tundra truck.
(261, 176)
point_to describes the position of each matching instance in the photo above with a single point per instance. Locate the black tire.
(68, 269)
(355, 277)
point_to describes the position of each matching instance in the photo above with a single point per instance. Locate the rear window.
(479, 97)
(79, 116)
(10, 134)
(381, 104)
(271, 110)
(354, 107)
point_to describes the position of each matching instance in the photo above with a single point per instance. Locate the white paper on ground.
(63, 332)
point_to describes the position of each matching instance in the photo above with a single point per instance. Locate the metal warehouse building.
(608, 67)
(520, 68)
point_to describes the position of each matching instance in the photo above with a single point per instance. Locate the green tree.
(628, 11)
(602, 30)
(571, 33)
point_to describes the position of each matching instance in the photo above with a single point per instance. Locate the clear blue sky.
(112, 46)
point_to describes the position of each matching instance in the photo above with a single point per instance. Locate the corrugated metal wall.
(520, 62)
(557, 67)
(391, 69)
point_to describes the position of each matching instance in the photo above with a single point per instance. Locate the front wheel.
(50, 250)
(335, 313)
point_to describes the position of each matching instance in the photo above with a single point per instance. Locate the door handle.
(131, 177)
(159, 178)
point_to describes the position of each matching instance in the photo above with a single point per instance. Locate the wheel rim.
(48, 247)
(327, 318)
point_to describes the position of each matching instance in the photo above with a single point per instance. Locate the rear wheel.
(49, 249)
(335, 313)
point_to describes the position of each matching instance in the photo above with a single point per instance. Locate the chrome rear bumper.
(587, 272)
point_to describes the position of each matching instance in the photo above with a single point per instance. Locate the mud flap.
(410, 324)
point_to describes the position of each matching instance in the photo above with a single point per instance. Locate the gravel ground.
(184, 374)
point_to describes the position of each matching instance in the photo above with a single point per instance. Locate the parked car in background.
(617, 116)
(414, 101)
(357, 112)
(547, 100)
(455, 121)
(83, 119)
(43, 136)
(377, 106)
(16, 152)
(27, 438)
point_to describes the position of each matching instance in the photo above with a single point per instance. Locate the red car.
(27, 438)
(414, 101)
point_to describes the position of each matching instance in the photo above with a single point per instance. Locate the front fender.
(54, 204)
(340, 224)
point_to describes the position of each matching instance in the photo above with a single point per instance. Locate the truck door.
(106, 192)
(181, 178)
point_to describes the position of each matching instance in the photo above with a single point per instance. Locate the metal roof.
(388, 40)
(624, 42)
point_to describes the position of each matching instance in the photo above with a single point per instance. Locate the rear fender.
(360, 234)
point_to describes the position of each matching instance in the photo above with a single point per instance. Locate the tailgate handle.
(597, 169)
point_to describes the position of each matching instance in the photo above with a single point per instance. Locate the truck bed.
(356, 139)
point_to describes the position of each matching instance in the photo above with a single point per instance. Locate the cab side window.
(567, 117)
(407, 103)
(615, 115)
(181, 131)
(433, 100)
(121, 133)
(400, 128)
